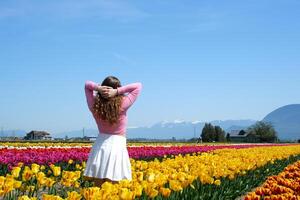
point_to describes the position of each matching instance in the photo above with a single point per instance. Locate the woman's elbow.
(139, 85)
(89, 85)
(86, 83)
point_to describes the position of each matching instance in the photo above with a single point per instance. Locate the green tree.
(264, 131)
(212, 133)
(205, 133)
(219, 134)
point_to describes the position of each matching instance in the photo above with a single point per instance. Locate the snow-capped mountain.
(179, 129)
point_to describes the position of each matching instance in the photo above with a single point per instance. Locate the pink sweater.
(119, 128)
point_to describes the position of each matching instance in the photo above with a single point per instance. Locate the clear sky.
(197, 60)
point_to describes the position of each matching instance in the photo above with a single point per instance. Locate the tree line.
(260, 132)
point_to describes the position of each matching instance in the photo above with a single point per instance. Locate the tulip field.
(53, 171)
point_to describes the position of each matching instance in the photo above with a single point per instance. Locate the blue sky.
(197, 60)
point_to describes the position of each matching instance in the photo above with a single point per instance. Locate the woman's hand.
(106, 91)
(111, 93)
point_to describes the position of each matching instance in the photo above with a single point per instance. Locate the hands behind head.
(106, 91)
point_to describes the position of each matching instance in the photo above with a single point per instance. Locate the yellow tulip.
(49, 182)
(40, 175)
(125, 194)
(107, 186)
(2, 180)
(27, 174)
(17, 184)
(51, 197)
(151, 191)
(175, 185)
(78, 166)
(76, 184)
(25, 197)
(165, 192)
(73, 196)
(151, 177)
(124, 183)
(140, 176)
(91, 193)
(138, 190)
(2, 193)
(69, 178)
(35, 168)
(30, 188)
(181, 176)
(15, 172)
(186, 168)
(8, 186)
(56, 170)
(217, 182)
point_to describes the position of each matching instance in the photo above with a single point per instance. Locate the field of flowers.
(168, 171)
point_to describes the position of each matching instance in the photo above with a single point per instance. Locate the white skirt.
(109, 158)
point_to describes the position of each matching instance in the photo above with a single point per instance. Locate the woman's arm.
(89, 87)
(133, 91)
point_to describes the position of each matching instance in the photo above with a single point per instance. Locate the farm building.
(242, 136)
(38, 135)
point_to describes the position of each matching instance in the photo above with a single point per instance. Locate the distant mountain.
(166, 130)
(234, 127)
(183, 129)
(13, 133)
(76, 133)
(229, 125)
(286, 121)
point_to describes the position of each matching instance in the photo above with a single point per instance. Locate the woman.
(109, 159)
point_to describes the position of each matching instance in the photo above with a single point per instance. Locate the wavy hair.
(108, 109)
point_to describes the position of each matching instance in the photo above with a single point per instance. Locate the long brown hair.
(108, 109)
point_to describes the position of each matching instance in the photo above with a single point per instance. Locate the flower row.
(285, 185)
(44, 144)
(11, 157)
